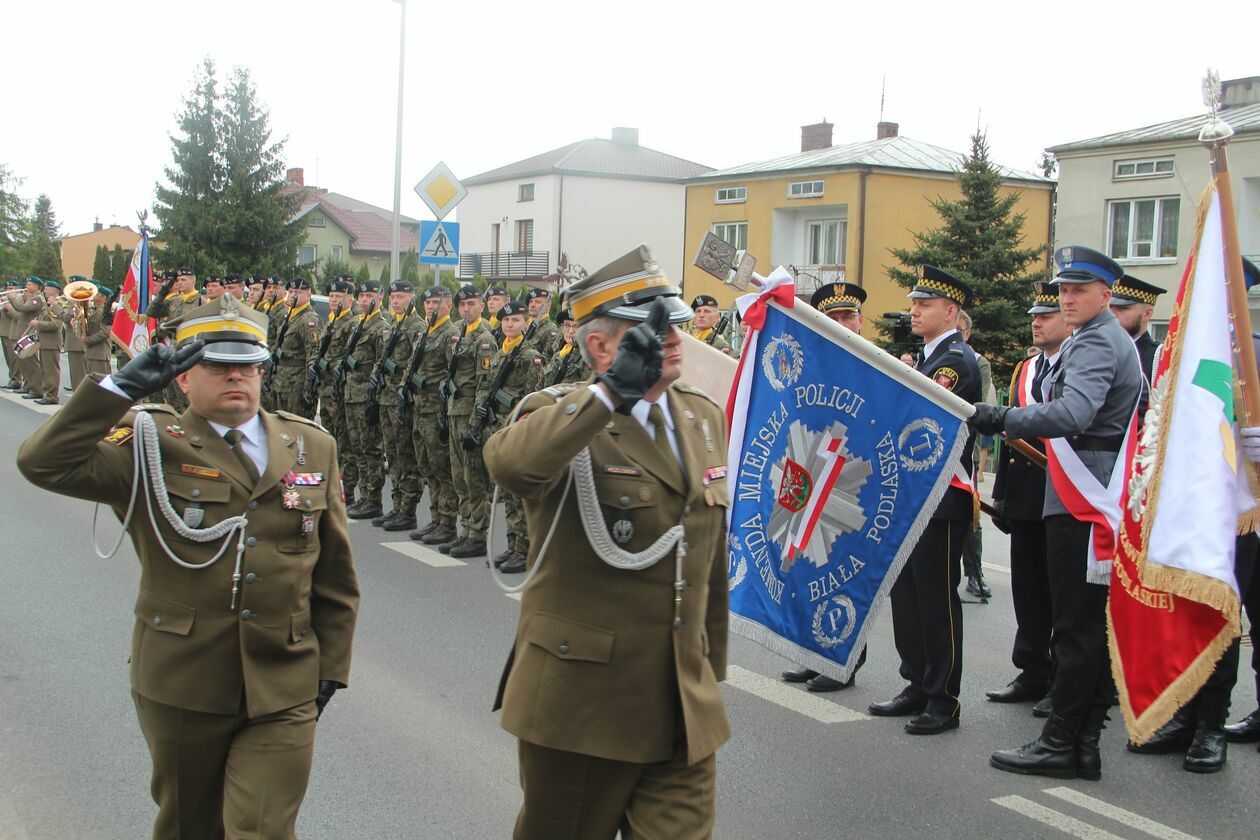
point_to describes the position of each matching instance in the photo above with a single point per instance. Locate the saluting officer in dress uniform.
(231, 659)
(298, 350)
(704, 327)
(612, 686)
(927, 613)
(547, 337)
(1019, 492)
(1093, 394)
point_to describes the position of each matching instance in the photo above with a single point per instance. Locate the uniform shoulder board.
(692, 389)
(163, 407)
(300, 419)
(558, 391)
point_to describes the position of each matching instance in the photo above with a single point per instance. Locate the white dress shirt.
(930, 347)
(640, 413)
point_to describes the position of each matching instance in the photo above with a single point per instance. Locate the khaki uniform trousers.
(50, 374)
(471, 481)
(570, 796)
(227, 776)
(78, 366)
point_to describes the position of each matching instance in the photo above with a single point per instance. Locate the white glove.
(1250, 436)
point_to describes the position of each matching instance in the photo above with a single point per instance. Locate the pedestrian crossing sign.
(440, 243)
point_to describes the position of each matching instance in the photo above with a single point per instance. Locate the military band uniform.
(76, 353)
(524, 378)
(433, 456)
(28, 306)
(224, 687)
(332, 412)
(365, 437)
(298, 351)
(96, 343)
(10, 289)
(400, 449)
(617, 710)
(49, 323)
(473, 355)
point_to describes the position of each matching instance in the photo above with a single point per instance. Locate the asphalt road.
(411, 749)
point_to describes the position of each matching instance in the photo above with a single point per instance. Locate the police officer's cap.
(467, 292)
(535, 292)
(499, 291)
(401, 286)
(836, 297)
(514, 307)
(1251, 274)
(626, 289)
(342, 285)
(436, 293)
(704, 300)
(367, 286)
(1129, 290)
(299, 284)
(233, 333)
(1045, 299)
(1078, 264)
(935, 282)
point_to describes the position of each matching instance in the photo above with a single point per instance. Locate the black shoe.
(469, 548)
(1174, 736)
(903, 705)
(1246, 731)
(502, 557)
(29, 395)
(1044, 707)
(378, 521)
(1016, 691)
(803, 675)
(1207, 751)
(933, 723)
(401, 522)
(46, 401)
(977, 587)
(1053, 754)
(822, 684)
(68, 389)
(365, 510)
(439, 535)
(514, 565)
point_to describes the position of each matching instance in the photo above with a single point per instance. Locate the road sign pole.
(395, 238)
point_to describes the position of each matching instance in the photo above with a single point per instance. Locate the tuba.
(81, 295)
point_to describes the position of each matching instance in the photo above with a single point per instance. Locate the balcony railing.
(505, 265)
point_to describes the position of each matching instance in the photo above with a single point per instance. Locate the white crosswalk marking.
(515, 596)
(994, 567)
(1120, 815)
(789, 697)
(425, 555)
(1054, 819)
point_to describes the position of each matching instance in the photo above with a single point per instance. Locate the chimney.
(294, 176)
(625, 136)
(97, 225)
(1236, 92)
(884, 130)
(816, 136)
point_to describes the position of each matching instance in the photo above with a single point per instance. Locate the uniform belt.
(1096, 443)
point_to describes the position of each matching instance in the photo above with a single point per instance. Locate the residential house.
(836, 212)
(592, 200)
(78, 251)
(1133, 194)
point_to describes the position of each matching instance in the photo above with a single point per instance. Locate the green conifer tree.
(364, 273)
(101, 270)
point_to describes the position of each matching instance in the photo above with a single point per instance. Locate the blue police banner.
(839, 455)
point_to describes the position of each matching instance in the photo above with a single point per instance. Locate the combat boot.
(502, 557)
(423, 532)
(1174, 736)
(1052, 754)
(365, 510)
(1088, 759)
(469, 548)
(402, 521)
(514, 565)
(438, 535)
(451, 544)
(378, 521)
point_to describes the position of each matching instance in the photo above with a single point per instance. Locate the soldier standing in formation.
(496, 298)
(433, 455)
(391, 369)
(234, 286)
(26, 306)
(48, 324)
(255, 296)
(547, 337)
(96, 341)
(470, 364)
(213, 287)
(9, 290)
(704, 327)
(365, 435)
(567, 365)
(332, 410)
(297, 351)
(74, 317)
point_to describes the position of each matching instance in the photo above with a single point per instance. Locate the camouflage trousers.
(332, 416)
(404, 474)
(286, 389)
(433, 458)
(513, 506)
(471, 482)
(365, 447)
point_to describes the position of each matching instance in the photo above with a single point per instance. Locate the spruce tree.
(120, 262)
(364, 274)
(384, 277)
(44, 222)
(102, 272)
(45, 258)
(409, 267)
(980, 242)
(14, 228)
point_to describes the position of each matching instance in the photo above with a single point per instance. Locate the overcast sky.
(91, 89)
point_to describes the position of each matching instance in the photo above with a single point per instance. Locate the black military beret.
(231, 278)
(367, 286)
(500, 291)
(565, 315)
(401, 286)
(704, 300)
(436, 292)
(535, 292)
(341, 286)
(514, 307)
(467, 292)
(299, 283)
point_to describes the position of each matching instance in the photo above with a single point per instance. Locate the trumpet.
(83, 293)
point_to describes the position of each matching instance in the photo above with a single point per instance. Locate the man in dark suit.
(926, 610)
(1133, 304)
(1019, 492)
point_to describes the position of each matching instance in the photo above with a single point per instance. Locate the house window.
(307, 254)
(1143, 228)
(731, 195)
(824, 242)
(805, 189)
(525, 192)
(525, 235)
(336, 252)
(735, 233)
(1145, 168)
(316, 221)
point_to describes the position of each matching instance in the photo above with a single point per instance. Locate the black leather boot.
(1052, 754)
(1088, 760)
(1174, 736)
(1207, 751)
(1246, 731)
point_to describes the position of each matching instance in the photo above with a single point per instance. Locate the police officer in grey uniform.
(1094, 394)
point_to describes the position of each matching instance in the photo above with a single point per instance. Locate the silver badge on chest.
(622, 531)
(193, 514)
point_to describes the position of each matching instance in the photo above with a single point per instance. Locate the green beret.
(52, 284)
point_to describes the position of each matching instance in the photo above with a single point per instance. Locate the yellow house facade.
(836, 212)
(78, 251)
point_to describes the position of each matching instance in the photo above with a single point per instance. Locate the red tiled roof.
(367, 229)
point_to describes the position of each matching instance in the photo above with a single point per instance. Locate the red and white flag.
(132, 329)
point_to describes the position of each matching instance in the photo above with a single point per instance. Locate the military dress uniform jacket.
(295, 612)
(27, 309)
(1094, 391)
(597, 667)
(49, 323)
(96, 341)
(953, 366)
(1020, 484)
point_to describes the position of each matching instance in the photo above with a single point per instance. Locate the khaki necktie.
(657, 419)
(234, 438)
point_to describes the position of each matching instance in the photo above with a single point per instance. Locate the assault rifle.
(405, 393)
(274, 362)
(471, 438)
(562, 369)
(348, 361)
(447, 390)
(721, 328)
(316, 372)
(386, 365)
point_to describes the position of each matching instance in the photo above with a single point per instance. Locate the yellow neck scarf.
(703, 335)
(472, 328)
(440, 322)
(564, 351)
(510, 343)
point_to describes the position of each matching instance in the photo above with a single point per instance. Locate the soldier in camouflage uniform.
(332, 412)
(470, 364)
(704, 326)
(255, 296)
(496, 298)
(277, 313)
(432, 454)
(567, 365)
(493, 410)
(182, 296)
(365, 436)
(547, 337)
(302, 331)
(404, 475)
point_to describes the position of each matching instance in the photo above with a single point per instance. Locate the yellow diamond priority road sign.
(441, 190)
